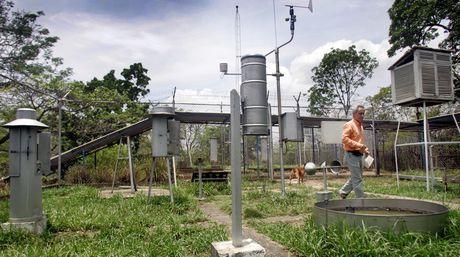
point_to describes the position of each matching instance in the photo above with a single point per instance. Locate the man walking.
(354, 145)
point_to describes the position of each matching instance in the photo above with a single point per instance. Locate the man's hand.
(365, 149)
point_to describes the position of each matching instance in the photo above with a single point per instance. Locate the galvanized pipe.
(280, 127)
(59, 140)
(396, 155)
(425, 139)
(154, 161)
(200, 179)
(168, 165)
(237, 224)
(174, 170)
(456, 123)
(430, 143)
(270, 143)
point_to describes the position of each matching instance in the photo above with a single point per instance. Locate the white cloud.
(300, 66)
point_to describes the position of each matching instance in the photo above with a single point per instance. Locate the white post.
(237, 225)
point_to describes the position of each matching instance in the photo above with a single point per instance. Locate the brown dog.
(297, 172)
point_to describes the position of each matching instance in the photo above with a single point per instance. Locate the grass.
(83, 224)
(80, 223)
(309, 240)
(263, 204)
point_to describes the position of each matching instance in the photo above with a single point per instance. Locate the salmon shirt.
(353, 136)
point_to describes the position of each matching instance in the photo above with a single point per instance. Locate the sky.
(181, 43)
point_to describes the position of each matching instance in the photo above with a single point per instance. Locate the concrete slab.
(250, 248)
(36, 227)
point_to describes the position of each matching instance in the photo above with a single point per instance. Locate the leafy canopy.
(25, 46)
(338, 76)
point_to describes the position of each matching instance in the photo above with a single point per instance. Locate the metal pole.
(131, 168)
(313, 144)
(174, 170)
(237, 225)
(257, 155)
(456, 123)
(59, 140)
(425, 141)
(222, 140)
(324, 179)
(396, 154)
(374, 138)
(200, 178)
(280, 127)
(168, 165)
(151, 178)
(270, 143)
(116, 165)
(60, 135)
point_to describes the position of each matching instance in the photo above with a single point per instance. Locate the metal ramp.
(102, 142)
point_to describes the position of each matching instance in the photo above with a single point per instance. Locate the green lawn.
(80, 223)
(308, 240)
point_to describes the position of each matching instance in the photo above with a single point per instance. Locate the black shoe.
(343, 196)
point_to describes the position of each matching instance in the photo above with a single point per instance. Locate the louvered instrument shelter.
(422, 75)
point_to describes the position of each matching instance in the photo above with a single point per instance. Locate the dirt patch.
(126, 192)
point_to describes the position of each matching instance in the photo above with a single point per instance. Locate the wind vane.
(309, 7)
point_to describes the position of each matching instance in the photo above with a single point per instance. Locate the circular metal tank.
(254, 95)
(399, 215)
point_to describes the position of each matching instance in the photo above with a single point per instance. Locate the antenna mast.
(237, 46)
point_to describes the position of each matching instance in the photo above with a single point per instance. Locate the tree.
(417, 22)
(190, 135)
(25, 46)
(384, 109)
(338, 76)
(110, 101)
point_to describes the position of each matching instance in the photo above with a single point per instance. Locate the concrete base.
(36, 227)
(250, 248)
(322, 196)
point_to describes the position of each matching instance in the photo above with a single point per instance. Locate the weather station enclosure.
(422, 75)
(29, 157)
(165, 140)
(254, 95)
(292, 127)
